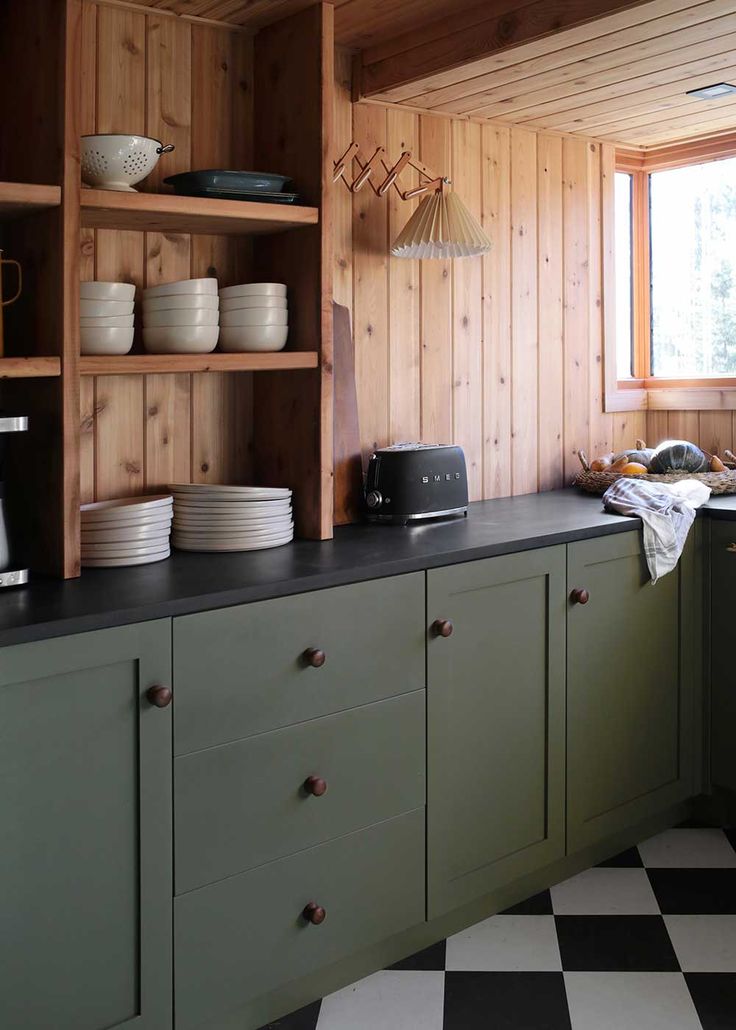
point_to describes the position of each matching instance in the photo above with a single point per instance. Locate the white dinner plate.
(124, 507)
(123, 550)
(162, 524)
(108, 563)
(182, 545)
(230, 524)
(231, 536)
(129, 533)
(239, 508)
(214, 491)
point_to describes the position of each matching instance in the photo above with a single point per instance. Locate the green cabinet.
(496, 723)
(85, 858)
(633, 672)
(722, 668)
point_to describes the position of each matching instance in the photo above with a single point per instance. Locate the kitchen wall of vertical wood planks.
(510, 346)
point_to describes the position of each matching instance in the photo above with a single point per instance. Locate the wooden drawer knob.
(579, 596)
(314, 657)
(442, 628)
(315, 786)
(314, 913)
(159, 697)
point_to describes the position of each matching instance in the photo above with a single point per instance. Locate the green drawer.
(240, 805)
(242, 670)
(246, 935)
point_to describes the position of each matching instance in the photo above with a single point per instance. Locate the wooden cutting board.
(347, 453)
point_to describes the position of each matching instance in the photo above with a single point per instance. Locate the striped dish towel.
(667, 511)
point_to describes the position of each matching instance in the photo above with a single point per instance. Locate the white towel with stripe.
(667, 511)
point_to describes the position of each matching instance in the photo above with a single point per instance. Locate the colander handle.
(165, 150)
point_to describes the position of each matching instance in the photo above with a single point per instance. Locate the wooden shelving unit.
(30, 368)
(148, 364)
(23, 198)
(163, 212)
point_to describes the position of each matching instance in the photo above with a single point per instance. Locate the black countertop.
(195, 582)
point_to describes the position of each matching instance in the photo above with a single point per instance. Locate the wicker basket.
(599, 482)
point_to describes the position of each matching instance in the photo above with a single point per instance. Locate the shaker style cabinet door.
(631, 678)
(85, 809)
(496, 723)
(722, 668)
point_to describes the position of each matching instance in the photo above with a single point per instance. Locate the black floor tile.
(431, 958)
(615, 944)
(302, 1019)
(505, 1001)
(538, 905)
(629, 859)
(714, 995)
(695, 891)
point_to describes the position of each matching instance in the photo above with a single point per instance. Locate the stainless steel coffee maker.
(10, 574)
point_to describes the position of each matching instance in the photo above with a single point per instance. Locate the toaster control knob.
(374, 499)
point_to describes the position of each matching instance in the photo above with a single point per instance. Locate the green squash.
(678, 456)
(642, 455)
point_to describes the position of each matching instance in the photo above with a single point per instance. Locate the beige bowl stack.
(127, 531)
(181, 317)
(230, 518)
(254, 317)
(106, 317)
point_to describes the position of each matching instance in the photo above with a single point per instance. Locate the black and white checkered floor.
(646, 941)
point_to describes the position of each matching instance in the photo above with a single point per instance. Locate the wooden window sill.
(716, 394)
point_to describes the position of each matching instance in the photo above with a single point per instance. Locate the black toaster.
(411, 481)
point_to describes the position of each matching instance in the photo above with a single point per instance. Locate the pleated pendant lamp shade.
(441, 227)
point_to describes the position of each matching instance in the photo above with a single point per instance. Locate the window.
(623, 250)
(673, 228)
(693, 248)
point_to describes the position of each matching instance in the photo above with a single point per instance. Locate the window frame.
(642, 391)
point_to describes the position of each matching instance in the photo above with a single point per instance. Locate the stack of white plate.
(181, 317)
(106, 317)
(254, 317)
(126, 531)
(230, 518)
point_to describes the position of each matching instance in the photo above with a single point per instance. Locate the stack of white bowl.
(127, 531)
(106, 317)
(230, 518)
(181, 317)
(254, 317)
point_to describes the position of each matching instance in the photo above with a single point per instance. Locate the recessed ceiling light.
(720, 89)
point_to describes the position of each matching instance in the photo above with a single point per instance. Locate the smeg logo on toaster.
(448, 477)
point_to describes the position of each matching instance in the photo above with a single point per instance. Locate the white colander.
(112, 162)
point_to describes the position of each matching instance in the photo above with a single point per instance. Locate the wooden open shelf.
(145, 364)
(30, 368)
(162, 212)
(20, 198)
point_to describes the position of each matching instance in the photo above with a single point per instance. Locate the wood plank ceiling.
(358, 23)
(622, 78)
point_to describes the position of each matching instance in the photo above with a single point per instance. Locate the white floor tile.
(506, 943)
(704, 944)
(630, 1001)
(389, 1000)
(605, 892)
(688, 849)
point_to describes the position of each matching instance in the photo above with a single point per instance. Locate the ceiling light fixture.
(441, 227)
(719, 89)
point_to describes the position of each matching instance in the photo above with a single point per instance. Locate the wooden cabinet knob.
(442, 628)
(315, 786)
(579, 596)
(314, 913)
(314, 657)
(159, 697)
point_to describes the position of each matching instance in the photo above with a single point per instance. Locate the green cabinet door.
(85, 809)
(496, 723)
(632, 675)
(722, 668)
